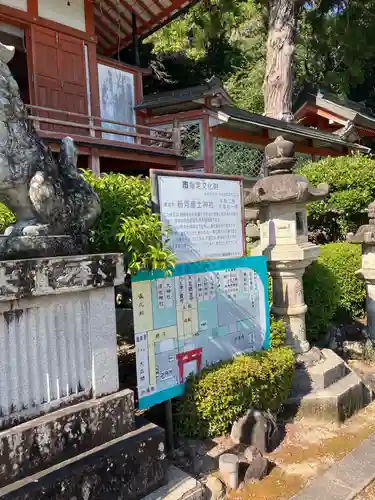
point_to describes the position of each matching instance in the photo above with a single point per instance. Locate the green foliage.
(333, 292)
(127, 224)
(6, 217)
(352, 188)
(278, 332)
(223, 393)
(322, 297)
(343, 260)
(246, 86)
(334, 47)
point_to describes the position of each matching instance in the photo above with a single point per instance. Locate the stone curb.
(180, 486)
(345, 479)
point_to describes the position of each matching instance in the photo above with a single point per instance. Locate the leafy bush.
(343, 260)
(278, 332)
(127, 224)
(352, 189)
(322, 297)
(333, 293)
(6, 217)
(223, 393)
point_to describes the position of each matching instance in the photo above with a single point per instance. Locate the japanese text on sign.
(206, 312)
(204, 216)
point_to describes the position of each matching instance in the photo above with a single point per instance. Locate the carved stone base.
(57, 333)
(31, 247)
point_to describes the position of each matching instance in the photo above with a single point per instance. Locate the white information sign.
(204, 215)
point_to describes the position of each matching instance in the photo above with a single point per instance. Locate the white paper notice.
(204, 216)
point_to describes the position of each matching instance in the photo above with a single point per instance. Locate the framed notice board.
(204, 214)
(204, 312)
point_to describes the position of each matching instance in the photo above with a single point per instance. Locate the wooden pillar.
(136, 57)
(176, 137)
(94, 162)
(208, 153)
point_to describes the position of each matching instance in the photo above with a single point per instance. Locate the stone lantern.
(281, 198)
(366, 236)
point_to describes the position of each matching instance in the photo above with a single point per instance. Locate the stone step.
(45, 441)
(336, 403)
(180, 486)
(129, 467)
(320, 376)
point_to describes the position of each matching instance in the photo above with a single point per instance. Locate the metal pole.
(169, 424)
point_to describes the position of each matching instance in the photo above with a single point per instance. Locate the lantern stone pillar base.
(370, 307)
(368, 276)
(288, 302)
(366, 237)
(286, 265)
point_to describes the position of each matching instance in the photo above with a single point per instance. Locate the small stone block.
(228, 466)
(180, 485)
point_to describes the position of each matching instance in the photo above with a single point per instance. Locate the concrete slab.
(345, 479)
(180, 486)
(325, 489)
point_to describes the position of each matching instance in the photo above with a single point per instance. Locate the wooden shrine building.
(72, 84)
(349, 120)
(217, 136)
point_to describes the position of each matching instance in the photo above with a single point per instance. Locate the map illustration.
(205, 312)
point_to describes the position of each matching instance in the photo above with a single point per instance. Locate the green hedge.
(322, 297)
(351, 181)
(223, 393)
(343, 260)
(333, 292)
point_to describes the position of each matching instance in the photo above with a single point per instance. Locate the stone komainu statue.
(53, 204)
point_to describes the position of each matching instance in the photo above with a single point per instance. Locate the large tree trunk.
(278, 81)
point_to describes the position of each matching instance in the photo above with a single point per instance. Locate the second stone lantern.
(281, 198)
(366, 236)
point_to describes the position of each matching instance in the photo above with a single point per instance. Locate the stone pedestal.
(57, 333)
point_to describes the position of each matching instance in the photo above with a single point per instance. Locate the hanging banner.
(205, 312)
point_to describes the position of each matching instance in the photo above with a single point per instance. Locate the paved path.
(345, 479)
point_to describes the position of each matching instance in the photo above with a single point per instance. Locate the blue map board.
(204, 312)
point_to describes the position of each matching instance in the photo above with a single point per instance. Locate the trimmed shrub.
(322, 297)
(352, 188)
(223, 393)
(127, 224)
(333, 293)
(343, 260)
